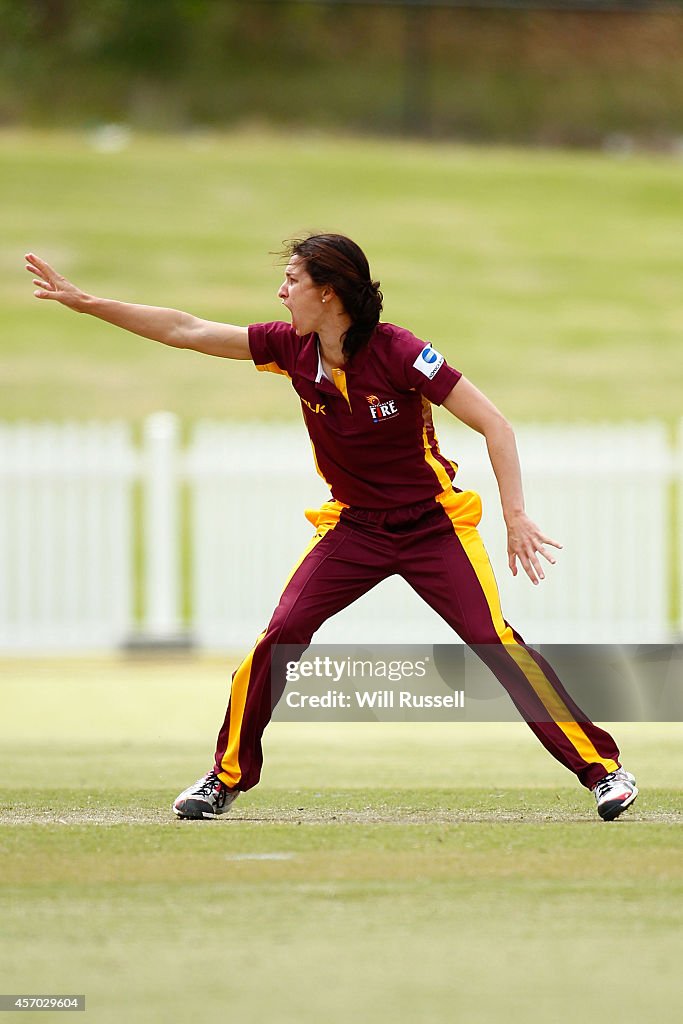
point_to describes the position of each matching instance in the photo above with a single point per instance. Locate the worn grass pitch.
(379, 873)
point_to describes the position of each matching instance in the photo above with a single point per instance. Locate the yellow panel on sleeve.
(271, 368)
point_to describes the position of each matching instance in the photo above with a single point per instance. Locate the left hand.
(526, 542)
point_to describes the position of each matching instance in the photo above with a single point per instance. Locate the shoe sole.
(190, 813)
(611, 810)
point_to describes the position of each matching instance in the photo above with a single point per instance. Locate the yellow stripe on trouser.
(230, 772)
(464, 511)
(324, 519)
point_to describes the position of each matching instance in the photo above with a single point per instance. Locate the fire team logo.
(381, 410)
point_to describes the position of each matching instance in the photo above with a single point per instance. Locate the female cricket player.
(366, 389)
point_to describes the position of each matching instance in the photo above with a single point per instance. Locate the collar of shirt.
(309, 364)
(321, 375)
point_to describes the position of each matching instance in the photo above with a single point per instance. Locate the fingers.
(48, 283)
(33, 265)
(38, 266)
(527, 550)
(534, 569)
(48, 277)
(539, 543)
(546, 554)
(530, 564)
(44, 289)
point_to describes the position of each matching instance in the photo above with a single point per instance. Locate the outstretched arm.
(525, 540)
(169, 326)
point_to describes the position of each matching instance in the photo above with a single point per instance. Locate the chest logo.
(314, 406)
(381, 410)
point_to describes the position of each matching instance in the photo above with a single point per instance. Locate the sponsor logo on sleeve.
(428, 362)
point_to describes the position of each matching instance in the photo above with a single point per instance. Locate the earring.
(324, 300)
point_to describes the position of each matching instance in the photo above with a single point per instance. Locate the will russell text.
(375, 699)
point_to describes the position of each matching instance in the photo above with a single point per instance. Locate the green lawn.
(551, 279)
(381, 872)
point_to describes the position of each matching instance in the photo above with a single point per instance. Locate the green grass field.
(380, 872)
(551, 279)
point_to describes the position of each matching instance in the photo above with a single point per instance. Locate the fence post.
(161, 623)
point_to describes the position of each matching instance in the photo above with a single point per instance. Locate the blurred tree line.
(536, 76)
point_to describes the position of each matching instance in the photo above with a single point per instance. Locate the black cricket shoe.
(207, 798)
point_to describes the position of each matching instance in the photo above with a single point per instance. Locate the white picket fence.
(66, 557)
(68, 570)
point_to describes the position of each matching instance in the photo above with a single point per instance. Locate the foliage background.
(541, 76)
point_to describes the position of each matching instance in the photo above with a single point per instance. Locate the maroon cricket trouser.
(436, 548)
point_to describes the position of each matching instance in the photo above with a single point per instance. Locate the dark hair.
(337, 261)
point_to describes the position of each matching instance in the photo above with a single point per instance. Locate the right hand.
(51, 285)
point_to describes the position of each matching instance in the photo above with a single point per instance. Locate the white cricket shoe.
(615, 793)
(207, 798)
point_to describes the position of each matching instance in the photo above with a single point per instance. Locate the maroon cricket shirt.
(372, 432)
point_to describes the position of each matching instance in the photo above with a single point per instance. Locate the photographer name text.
(375, 699)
